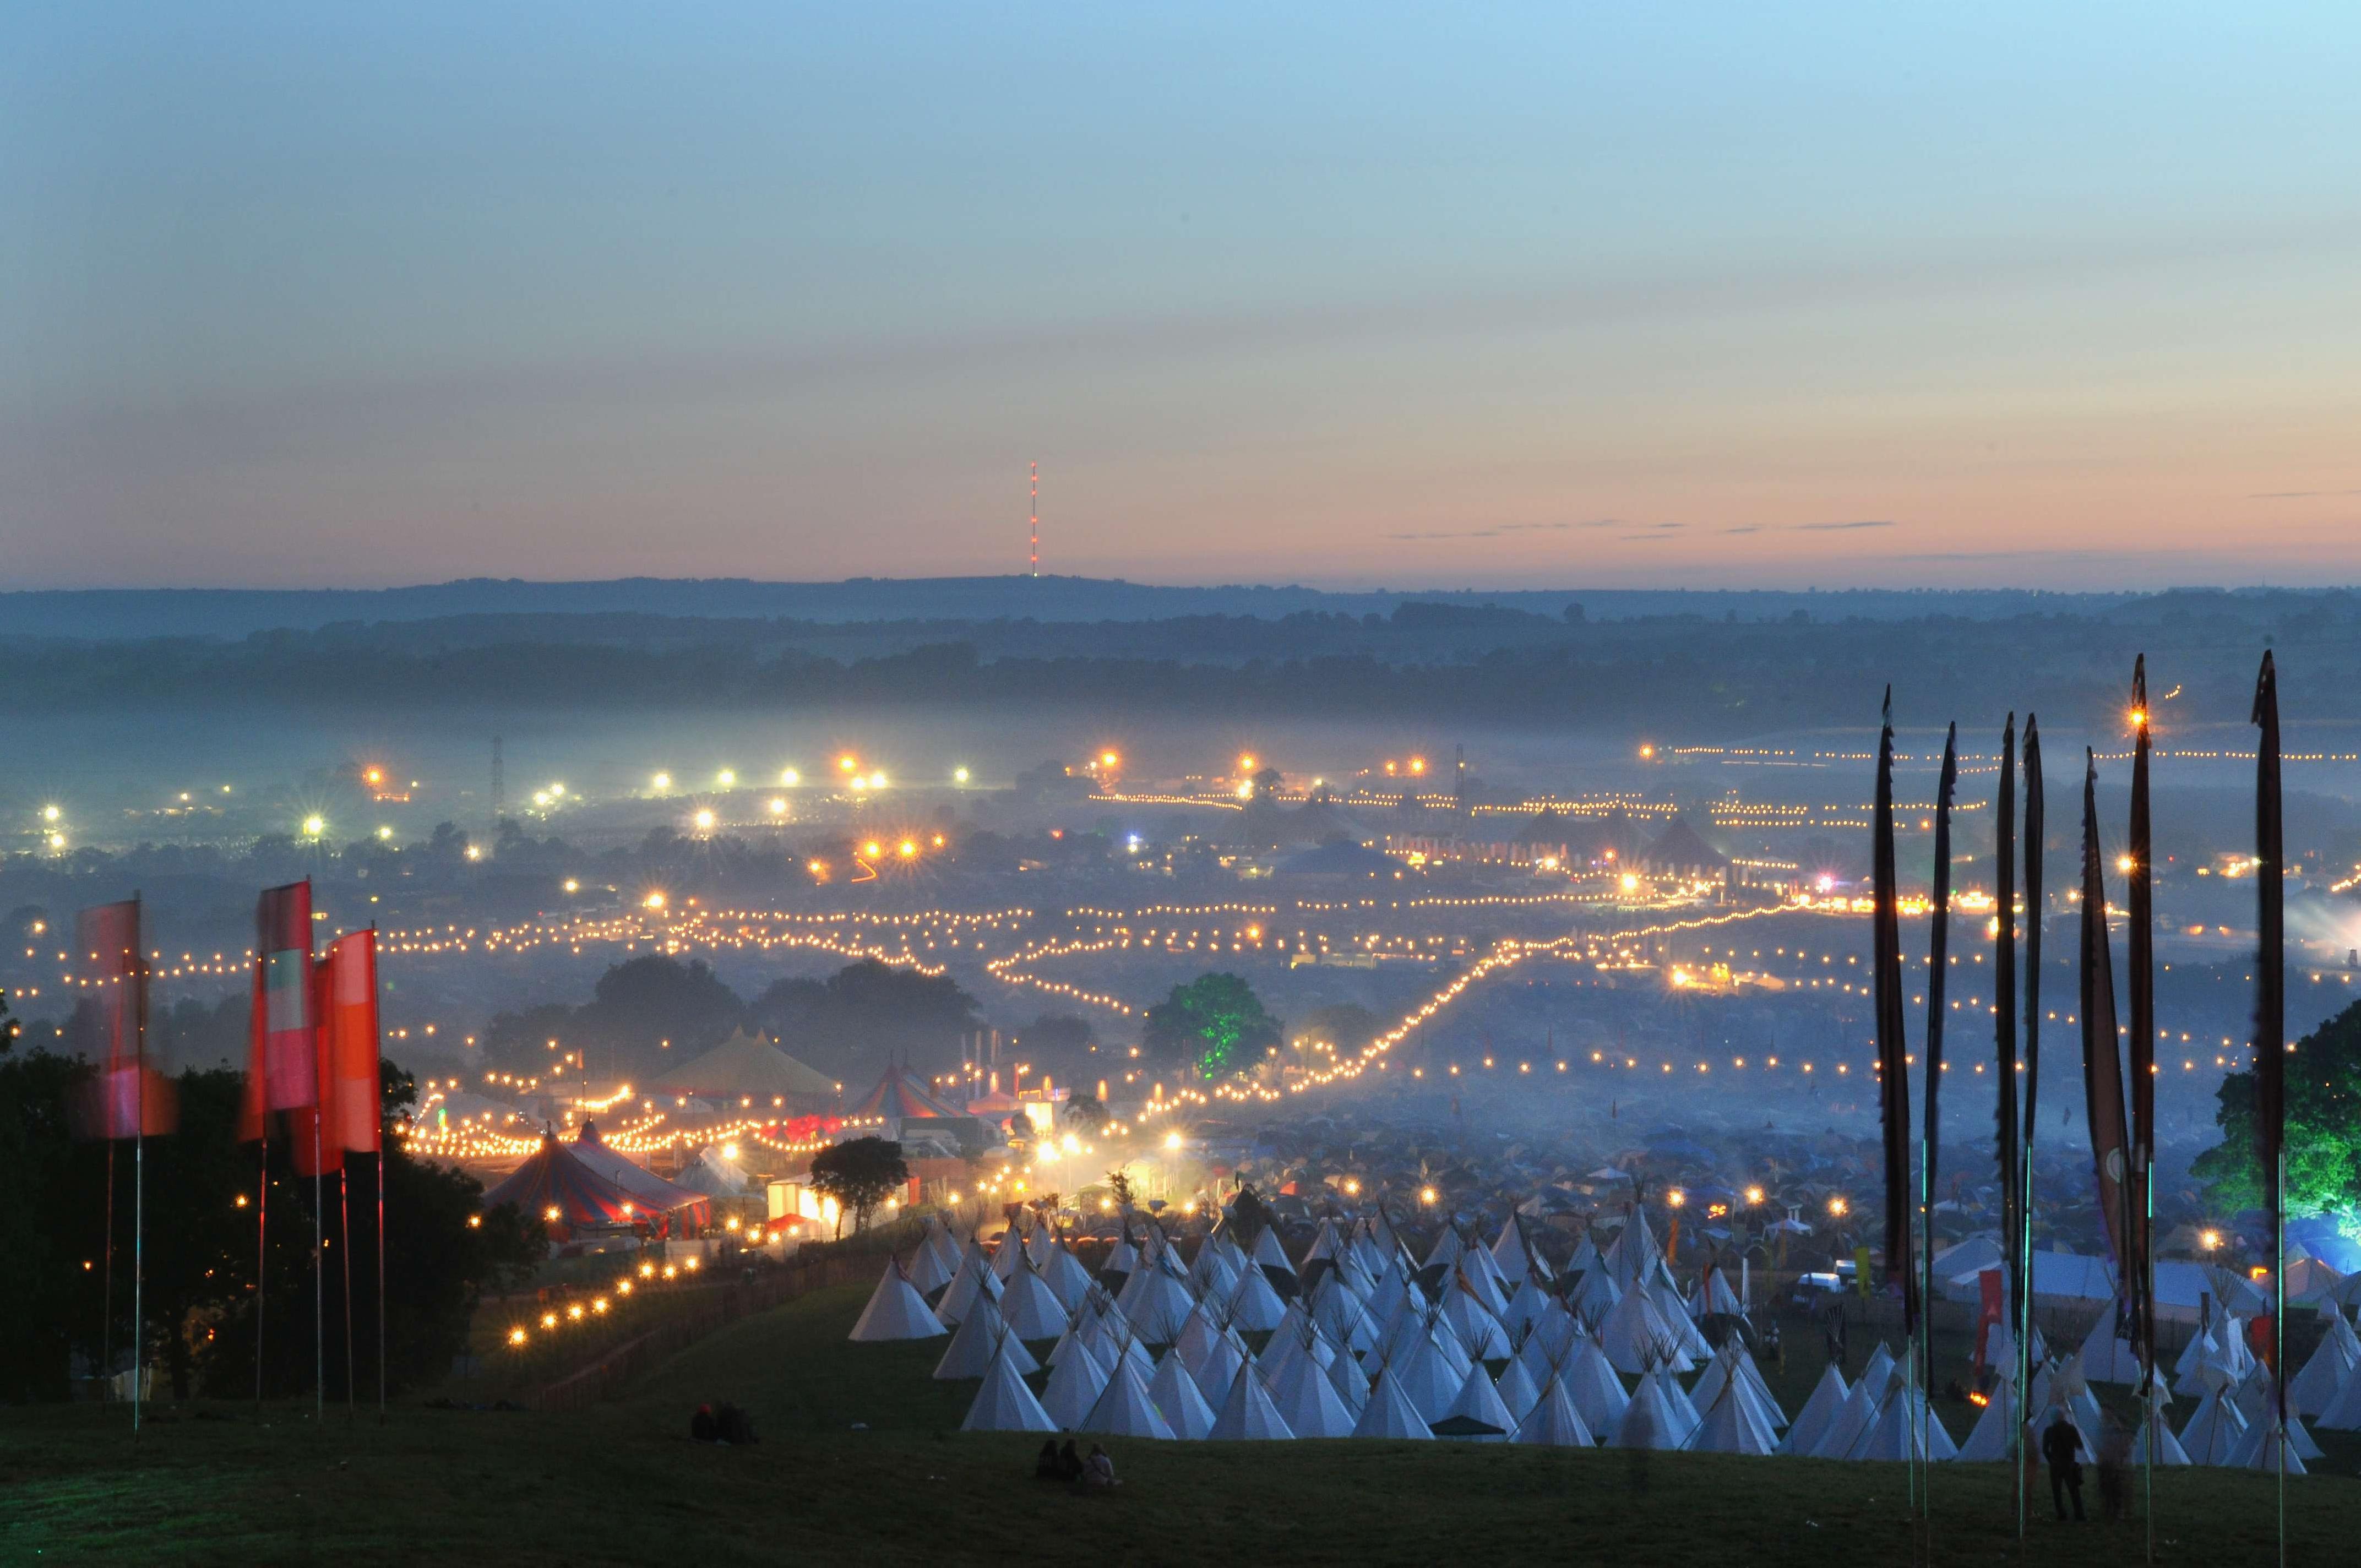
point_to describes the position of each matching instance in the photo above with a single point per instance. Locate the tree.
(862, 1011)
(1087, 1112)
(1212, 1024)
(860, 1174)
(2323, 1129)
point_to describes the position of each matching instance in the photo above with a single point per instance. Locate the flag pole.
(106, 1268)
(319, 1286)
(344, 1240)
(380, 1275)
(2021, 1244)
(262, 1251)
(138, 1167)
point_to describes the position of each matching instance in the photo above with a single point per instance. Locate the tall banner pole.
(1938, 960)
(381, 1280)
(2140, 961)
(261, 1254)
(2021, 1244)
(319, 1289)
(2270, 1035)
(138, 1167)
(345, 1244)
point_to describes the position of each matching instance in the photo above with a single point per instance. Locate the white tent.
(1030, 1308)
(1811, 1423)
(2107, 1359)
(1527, 1306)
(1634, 1335)
(1447, 1248)
(982, 1336)
(1219, 1369)
(1007, 1253)
(895, 1310)
(1178, 1399)
(1517, 1389)
(1074, 1386)
(1879, 1367)
(2167, 1447)
(2212, 1432)
(1390, 1414)
(1478, 1332)
(1308, 1402)
(1554, 1421)
(2323, 1375)
(1004, 1403)
(1123, 1408)
(1518, 1259)
(2343, 1413)
(1352, 1384)
(1157, 1303)
(1590, 1382)
(1197, 1336)
(1479, 1402)
(1254, 1308)
(2265, 1446)
(1269, 1253)
(1851, 1419)
(1730, 1426)
(1905, 1428)
(1677, 1402)
(1067, 1277)
(1647, 1422)
(1426, 1380)
(1988, 1438)
(1249, 1415)
(927, 1269)
(969, 1278)
(1340, 1316)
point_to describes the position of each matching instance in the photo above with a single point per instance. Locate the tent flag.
(2020, 1240)
(2270, 982)
(2004, 986)
(281, 1068)
(1894, 1086)
(309, 1137)
(2102, 1070)
(1939, 953)
(2139, 956)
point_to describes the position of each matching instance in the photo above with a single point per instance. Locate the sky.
(1563, 295)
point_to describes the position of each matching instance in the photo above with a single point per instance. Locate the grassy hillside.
(860, 1460)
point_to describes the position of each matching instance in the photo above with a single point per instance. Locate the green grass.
(621, 1485)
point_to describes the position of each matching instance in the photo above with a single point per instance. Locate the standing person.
(2061, 1449)
(2114, 1469)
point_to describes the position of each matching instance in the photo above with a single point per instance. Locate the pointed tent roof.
(1074, 1386)
(1515, 1388)
(1247, 1414)
(1125, 1408)
(747, 1064)
(555, 1177)
(1681, 848)
(1390, 1414)
(1308, 1402)
(1554, 1420)
(1728, 1426)
(927, 1271)
(648, 1190)
(2213, 1429)
(958, 1299)
(1647, 1422)
(1811, 1423)
(1004, 1403)
(1988, 1438)
(981, 1337)
(1179, 1399)
(1590, 1382)
(1030, 1308)
(895, 1311)
(901, 1095)
(1478, 1402)
(2260, 1448)
(2167, 1447)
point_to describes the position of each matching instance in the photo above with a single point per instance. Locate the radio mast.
(1035, 541)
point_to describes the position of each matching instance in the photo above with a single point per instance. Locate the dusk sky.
(1498, 296)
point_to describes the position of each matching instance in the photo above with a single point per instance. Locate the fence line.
(606, 1378)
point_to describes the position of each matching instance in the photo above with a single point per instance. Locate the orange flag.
(348, 1016)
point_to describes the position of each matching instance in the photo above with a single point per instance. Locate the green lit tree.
(2323, 1129)
(1214, 1023)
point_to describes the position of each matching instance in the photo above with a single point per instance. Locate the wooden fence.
(606, 1378)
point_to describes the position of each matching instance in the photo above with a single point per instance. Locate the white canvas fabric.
(1426, 1380)
(1554, 1421)
(1254, 1308)
(1068, 1277)
(1074, 1386)
(1517, 1389)
(1634, 1335)
(1269, 1253)
(1219, 1369)
(1478, 1332)
(979, 1337)
(1352, 1384)
(1179, 1401)
(965, 1282)
(1526, 1306)
(943, 1245)
(1004, 1403)
(1852, 1419)
(2322, 1375)
(1905, 1428)
(2258, 1448)
(1677, 1402)
(1123, 1408)
(1249, 1415)
(1988, 1438)
(1158, 1306)
(1811, 1423)
(2168, 1450)
(895, 1311)
(1446, 1249)
(2343, 1413)
(1478, 1400)
(1729, 1425)
(1030, 1308)
(2106, 1359)
(1308, 1403)
(2212, 1432)
(1390, 1414)
(1340, 1316)
(1591, 1383)
(1646, 1422)
(927, 1269)
(1008, 1253)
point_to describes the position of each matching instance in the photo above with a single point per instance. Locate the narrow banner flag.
(282, 1066)
(348, 1019)
(2004, 986)
(127, 1098)
(2270, 980)
(2103, 1072)
(1892, 1047)
(2139, 962)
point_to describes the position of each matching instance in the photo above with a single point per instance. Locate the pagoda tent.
(1554, 1421)
(1308, 1403)
(2213, 1429)
(927, 1269)
(1477, 1409)
(1811, 1422)
(901, 1095)
(1179, 1401)
(567, 1194)
(1254, 1308)
(1031, 1309)
(1390, 1414)
(1730, 1426)
(1004, 1403)
(748, 1067)
(1074, 1386)
(1988, 1438)
(979, 1337)
(1516, 1389)
(895, 1311)
(1250, 1415)
(1125, 1408)
(1590, 1382)
(652, 1192)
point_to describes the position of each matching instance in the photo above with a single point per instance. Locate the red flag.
(348, 1019)
(1987, 1285)
(1893, 1072)
(310, 1129)
(127, 1098)
(282, 1067)
(2102, 1068)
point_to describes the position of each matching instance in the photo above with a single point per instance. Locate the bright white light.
(314, 826)
(959, 775)
(50, 814)
(778, 806)
(705, 821)
(789, 777)
(726, 778)
(384, 832)
(662, 781)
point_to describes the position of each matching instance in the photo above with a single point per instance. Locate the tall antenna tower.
(1035, 475)
(500, 786)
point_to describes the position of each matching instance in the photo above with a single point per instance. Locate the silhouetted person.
(1045, 1465)
(1070, 1464)
(2114, 1469)
(702, 1427)
(1098, 1470)
(2062, 1448)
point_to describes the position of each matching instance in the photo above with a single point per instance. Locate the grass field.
(860, 1460)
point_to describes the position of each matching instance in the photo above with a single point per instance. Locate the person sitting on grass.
(1098, 1471)
(1045, 1464)
(702, 1427)
(1070, 1464)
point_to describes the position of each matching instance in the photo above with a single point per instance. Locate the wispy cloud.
(1498, 530)
(1840, 527)
(2298, 494)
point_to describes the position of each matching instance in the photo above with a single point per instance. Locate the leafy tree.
(1348, 1026)
(860, 1174)
(1087, 1112)
(863, 1011)
(2323, 1129)
(1214, 1023)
